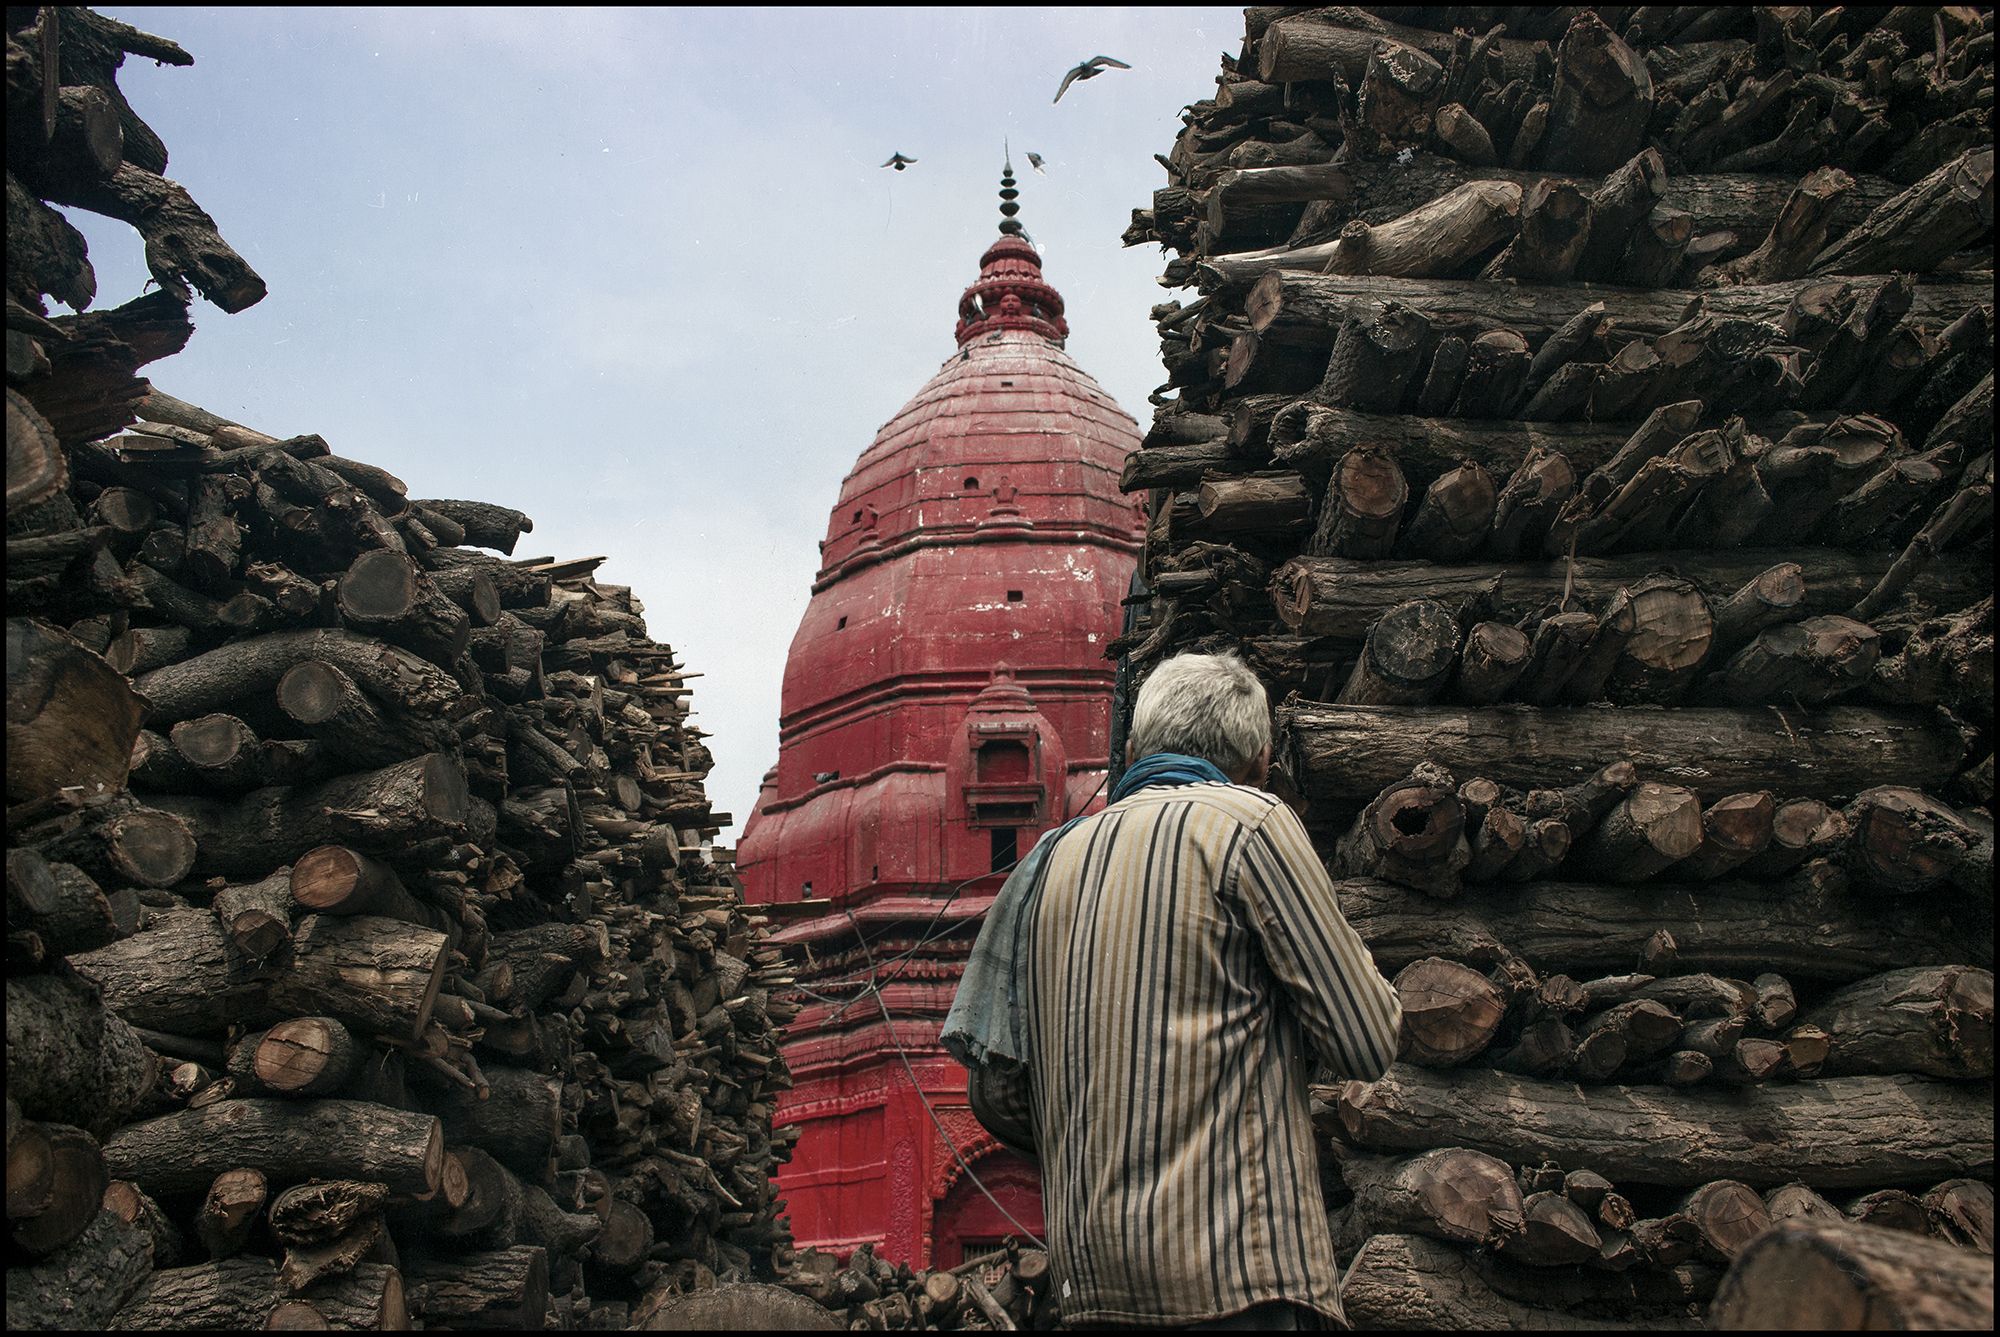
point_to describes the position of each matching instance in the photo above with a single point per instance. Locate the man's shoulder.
(1250, 807)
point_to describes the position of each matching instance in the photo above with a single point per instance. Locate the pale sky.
(638, 273)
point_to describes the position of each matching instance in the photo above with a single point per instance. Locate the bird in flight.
(1090, 69)
(899, 162)
(1035, 161)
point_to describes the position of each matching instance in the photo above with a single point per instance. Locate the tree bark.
(71, 717)
(1927, 1019)
(76, 1192)
(231, 1211)
(1450, 1012)
(254, 667)
(1734, 830)
(1827, 1277)
(1407, 658)
(1866, 1130)
(79, 1288)
(1493, 660)
(69, 1058)
(1454, 517)
(1347, 754)
(1340, 597)
(1408, 1283)
(1375, 357)
(1726, 927)
(331, 1139)
(1949, 209)
(1363, 506)
(504, 1289)
(303, 1056)
(1461, 1197)
(332, 708)
(1903, 841)
(115, 838)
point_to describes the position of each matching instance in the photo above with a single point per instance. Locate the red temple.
(946, 701)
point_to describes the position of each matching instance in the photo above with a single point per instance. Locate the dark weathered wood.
(1363, 506)
(1336, 597)
(71, 717)
(231, 1211)
(336, 1139)
(1409, 1283)
(1348, 754)
(1734, 830)
(1603, 100)
(1840, 1276)
(253, 667)
(302, 1056)
(1454, 517)
(81, 1286)
(507, 1288)
(1407, 658)
(1904, 842)
(1961, 1211)
(1653, 828)
(328, 703)
(76, 1192)
(1493, 659)
(69, 1058)
(1866, 1130)
(1450, 1012)
(1451, 1194)
(1949, 209)
(1377, 353)
(1936, 1020)
(1728, 927)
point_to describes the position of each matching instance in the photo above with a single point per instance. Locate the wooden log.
(241, 1294)
(1450, 1012)
(256, 917)
(335, 880)
(1376, 355)
(1890, 1209)
(1534, 495)
(1797, 236)
(1307, 307)
(1439, 390)
(1275, 503)
(380, 809)
(387, 592)
(301, 1056)
(506, 1288)
(1961, 1211)
(1670, 639)
(1771, 596)
(231, 1210)
(334, 1139)
(181, 975)
(77, 1181)
(1726, 927)
(1451, 1194)
(1498, 841)
(64, 906)
(1814, 661)
(82, 1286)
(1407, 658)
(71, 717)
(1801, 829)
(253, 667)
(1554, 231)
(1932, 1020)
(1493, 660)
(1309, 47)
(1603, 100)
(1903, 841)
(1544, 845)
(1653, 828)
(1796, 1202)
(69, 1059)
(1363, 506)
(115, 838)
(332, 708)
(1949, 209)
(1495, 367)
(1407, 1282)
(1558, 1233)
(1734, 830)
(1829, 1276)
(1935, 1127)
(1729, 1215)
(1454, 517)
(1342, 598)
(379, 976)
(518, 1123)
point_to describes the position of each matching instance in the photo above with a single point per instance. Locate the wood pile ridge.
(1005, 1291)
(1583, 421)
(366, 962)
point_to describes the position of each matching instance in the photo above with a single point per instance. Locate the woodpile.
(367, 965)
(1005, 1290)
(1582, 423)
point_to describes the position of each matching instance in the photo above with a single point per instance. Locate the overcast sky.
(638, 272)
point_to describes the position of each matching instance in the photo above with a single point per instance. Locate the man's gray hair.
(1207, 706)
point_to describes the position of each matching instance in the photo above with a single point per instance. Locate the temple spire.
(1009, 225)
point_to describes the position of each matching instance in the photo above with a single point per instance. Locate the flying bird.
(1035, 161)
(899, 162)
(1090, 69)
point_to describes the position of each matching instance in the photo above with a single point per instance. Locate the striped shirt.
(1187, 963)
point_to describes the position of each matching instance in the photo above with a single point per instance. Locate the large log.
(1347, 754)
(1936, 1020)
(378, 976)
(80, 1288)
(330, 1139)
(1306, 308)
(253, 668)
(242, 1295)
(1464, 1197)
(181, 975)
(1853, 1131)
(507, 1288)
(1603, 99)
(69, 1058)
(77, 1180)
(1731, 928)
(1840, 1277)
(1409, 1283)
(1450, 1012)
(1340, 597)
(71, 717)
(381, 810)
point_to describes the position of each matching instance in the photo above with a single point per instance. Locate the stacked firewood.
(1583, 424)
(1001, 1291)
(366, 961)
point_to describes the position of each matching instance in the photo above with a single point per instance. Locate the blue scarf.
(987, 1022)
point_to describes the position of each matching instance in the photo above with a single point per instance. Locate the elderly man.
(1144, 1007)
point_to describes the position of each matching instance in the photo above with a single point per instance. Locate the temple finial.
(1008, 223)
